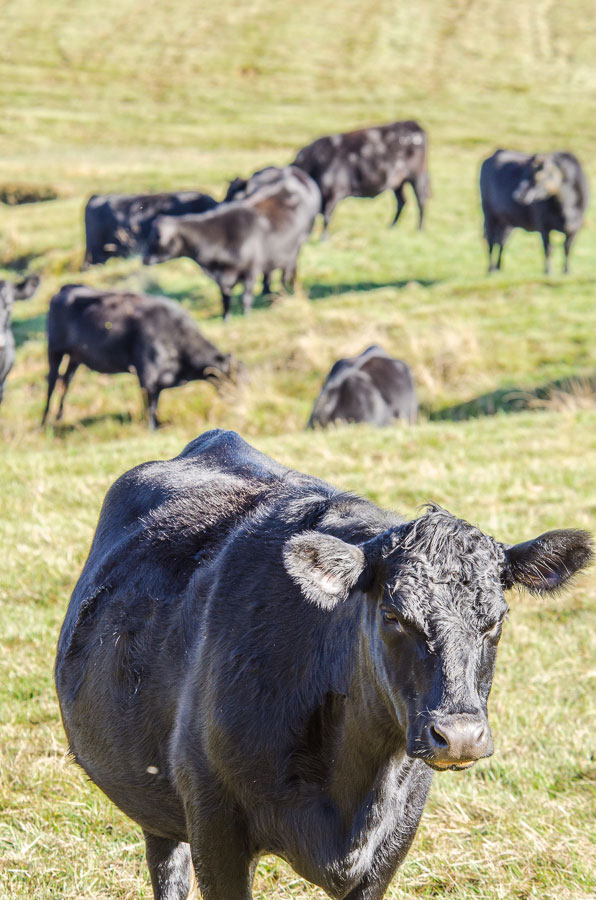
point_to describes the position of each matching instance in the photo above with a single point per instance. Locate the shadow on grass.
(321, 291)
(570, 392)
(19, 264)
(208, 309)
(61, 429)
(24, 330)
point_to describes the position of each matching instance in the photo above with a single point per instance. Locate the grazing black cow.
(367, 162)
(244, 238)
(541, 192)
(116, 331)
(8, 294)
(372, 387)
(255, 662)
(119, 224)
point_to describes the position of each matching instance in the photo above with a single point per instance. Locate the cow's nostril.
(480, 735)
(439, 739)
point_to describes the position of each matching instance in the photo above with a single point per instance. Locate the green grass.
(146, 96)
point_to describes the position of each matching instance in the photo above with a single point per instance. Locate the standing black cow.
(255, 662)
(244, 238)
(367, 162)
(116, 331)
(541, 192)
(241, 188)
(8, 294)
(372, 387)
(119, 224)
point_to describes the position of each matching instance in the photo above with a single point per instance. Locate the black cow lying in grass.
(115, 331)
(119, 224)
(8, 294)
(542, 192)
(255, 662)
(367, 162)
(245, 238)
(371, 387)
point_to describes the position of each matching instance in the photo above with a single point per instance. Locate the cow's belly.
(131, 772)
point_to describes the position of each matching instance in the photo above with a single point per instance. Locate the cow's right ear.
(547, 562)
(325, 567)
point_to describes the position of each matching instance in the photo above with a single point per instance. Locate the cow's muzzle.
(454, 742)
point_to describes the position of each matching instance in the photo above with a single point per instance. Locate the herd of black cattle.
(257, 229)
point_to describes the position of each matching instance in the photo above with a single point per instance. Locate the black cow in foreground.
(367, 162)
(372, 387)
(119, 224)
(247, 237)
(541, 192)
(8, 294)
(116, 331)
(255, 662)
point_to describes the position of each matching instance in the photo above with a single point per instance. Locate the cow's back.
(393, 379)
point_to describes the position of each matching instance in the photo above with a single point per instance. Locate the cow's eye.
(494, 632)
(390, 617)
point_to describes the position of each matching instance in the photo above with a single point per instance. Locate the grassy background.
(124, 95)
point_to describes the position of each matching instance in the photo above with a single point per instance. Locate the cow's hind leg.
(152, 395)
(500, 238)
(54, 360)
(170, 867)
(66, 379)
(329, 205)
(266, 284)
(421, 188)
(401, 202)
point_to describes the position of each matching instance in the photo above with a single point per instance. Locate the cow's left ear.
(548, 561)
(325, 567)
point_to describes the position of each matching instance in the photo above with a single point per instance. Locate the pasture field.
(126, 96)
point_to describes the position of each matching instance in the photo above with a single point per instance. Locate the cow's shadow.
(519, 399)
(322, 291)
(20, 264)
(33, 328)
(209, 309)
(63, 429)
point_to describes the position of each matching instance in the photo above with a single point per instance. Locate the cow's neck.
(370, 747)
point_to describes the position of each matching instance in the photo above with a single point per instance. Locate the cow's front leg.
(225, 300)
(568, 242)
(170, 867)
(546, 244)
(248, 292)
(289, 276)
(220, 852)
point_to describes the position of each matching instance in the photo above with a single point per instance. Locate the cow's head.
(433, 609)
(236, 189)
(10, 292)
(542, 179)
(164, 241)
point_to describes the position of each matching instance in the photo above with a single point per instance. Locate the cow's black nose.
(459, 739)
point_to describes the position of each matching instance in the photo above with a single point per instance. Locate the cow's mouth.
(443, 765)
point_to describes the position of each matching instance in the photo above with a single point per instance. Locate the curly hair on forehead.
(449, 545)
